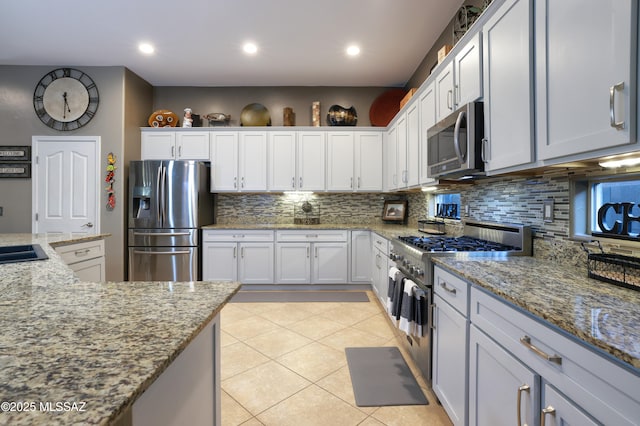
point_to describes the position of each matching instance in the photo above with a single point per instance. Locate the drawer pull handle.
(311, 235)
(545, 411)
(81, 252)
(447, 288)
(526, 340)
(523, 388)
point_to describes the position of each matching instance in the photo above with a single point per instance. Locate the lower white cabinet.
(380, 266)
(85, 259)
(237, 255)
(312, 257)
(360, 256)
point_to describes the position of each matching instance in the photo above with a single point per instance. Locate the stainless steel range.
(413, 254)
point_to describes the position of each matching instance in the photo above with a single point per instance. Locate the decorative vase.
(315, 114)
(340, 116)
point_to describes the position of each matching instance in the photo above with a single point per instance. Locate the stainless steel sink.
(22, 253)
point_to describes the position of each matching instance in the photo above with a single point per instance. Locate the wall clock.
(66, 99)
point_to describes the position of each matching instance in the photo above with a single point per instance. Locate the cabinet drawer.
(74, 253)
(380, 243)
(452, 289)
(605, 389)
(312, 236)
(239, 235)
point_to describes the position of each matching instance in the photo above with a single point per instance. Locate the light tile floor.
(284, 364)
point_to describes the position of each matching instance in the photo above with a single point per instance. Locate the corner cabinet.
(508, 86)
(177, 145)
(585, 60)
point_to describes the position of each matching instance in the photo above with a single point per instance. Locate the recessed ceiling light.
(250, 48)
(353, 50)
(146, 48)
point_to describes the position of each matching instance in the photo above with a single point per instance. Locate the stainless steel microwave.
(454, 145)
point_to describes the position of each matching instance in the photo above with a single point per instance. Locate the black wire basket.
(614, 268)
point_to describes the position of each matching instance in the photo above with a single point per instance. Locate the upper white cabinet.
(282, 161)
(368, 161)
(175, 146)
(427, 99)
(445, 99)
(412, 157)
(584, 69)
(354, 161)
(391, 158)
(468, 72)
(340, 161)
(508, 86)
(311, 160)
(239, 161)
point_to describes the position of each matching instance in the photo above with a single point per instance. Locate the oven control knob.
(418, 271)
(405, 262)
(399, 258)
(412, 269)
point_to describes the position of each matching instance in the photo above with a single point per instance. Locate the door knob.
(88, 225)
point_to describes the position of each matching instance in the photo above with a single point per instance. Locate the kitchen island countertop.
(92, 347)
(601, 314)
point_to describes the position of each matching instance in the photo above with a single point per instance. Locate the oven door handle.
(456, 136)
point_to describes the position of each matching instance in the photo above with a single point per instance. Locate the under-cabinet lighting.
(298, 192)
(624, 162)
(429, 188)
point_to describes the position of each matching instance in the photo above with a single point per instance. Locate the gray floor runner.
(381, 376)
(299, 296)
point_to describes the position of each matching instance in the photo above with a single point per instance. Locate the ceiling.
(199, 43)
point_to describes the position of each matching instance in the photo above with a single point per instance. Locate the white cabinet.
(558, 410)
(445, 101)
(282, 161)
(508, 86)
(239, 162)
(380, 267)
(391, 180)
(354, 161)
(584, 84)
(238, 255)
(175, 145)
(316, 257)
(468, 72)
(311, 160)
(360, 256)
(427, 99)
(409, 145)
(450, 358)
(86, 259)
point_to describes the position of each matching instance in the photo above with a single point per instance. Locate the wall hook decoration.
(111, 172)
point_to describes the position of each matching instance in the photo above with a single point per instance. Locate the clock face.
(66, 99)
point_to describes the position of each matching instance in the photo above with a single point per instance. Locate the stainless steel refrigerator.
(169, 202)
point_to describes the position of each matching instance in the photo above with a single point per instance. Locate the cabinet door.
(158, 145)
(361, 256)
(282, 161)
(413, 145)
(340, 163)
(193, 146)
(507, 62)
(311, 161)
(391, 163)
(224, 161)
(499, 384)
(468, 72)
(401, 135)
(444, 92)
(330, 263)
(450, 360)
(427, 120)
(368, 161)
(557, 410)
(379, 275)
(219, 262)
(252, 156)
(584, 75)
(92, 270)
(293, 263)
(255, 265)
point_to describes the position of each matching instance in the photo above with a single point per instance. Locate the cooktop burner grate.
(455, 244)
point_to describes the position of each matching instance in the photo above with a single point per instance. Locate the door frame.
(35, 141)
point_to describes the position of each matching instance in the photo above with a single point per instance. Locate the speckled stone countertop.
(99, 345)
(604, 315)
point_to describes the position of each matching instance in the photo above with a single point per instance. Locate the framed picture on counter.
(394, 210)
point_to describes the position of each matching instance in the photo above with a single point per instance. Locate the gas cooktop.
(455, 244)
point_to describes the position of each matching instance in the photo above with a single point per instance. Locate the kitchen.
(517, 198)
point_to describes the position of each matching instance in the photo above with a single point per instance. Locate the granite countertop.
(604, 315)
(98, 345)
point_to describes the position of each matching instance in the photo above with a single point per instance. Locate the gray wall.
(19, 123)
(231, 100)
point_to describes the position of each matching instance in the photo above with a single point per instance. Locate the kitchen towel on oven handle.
(394, 293)
(413, 318)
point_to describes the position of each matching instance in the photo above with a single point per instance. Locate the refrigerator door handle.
(160, 234)
(162, 252)
(163, 205)
(158, 199)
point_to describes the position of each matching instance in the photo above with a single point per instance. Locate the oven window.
(447, 206)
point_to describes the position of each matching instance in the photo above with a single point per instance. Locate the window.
(447, 206)
(607, 207)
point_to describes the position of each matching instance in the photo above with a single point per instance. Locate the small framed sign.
(15, 153)
(395, 210)
(15, 170)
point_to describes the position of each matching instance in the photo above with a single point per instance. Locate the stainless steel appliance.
(169, 201)
(455, 143)
(413, 254)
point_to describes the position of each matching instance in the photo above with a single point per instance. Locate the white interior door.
(65, 184)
